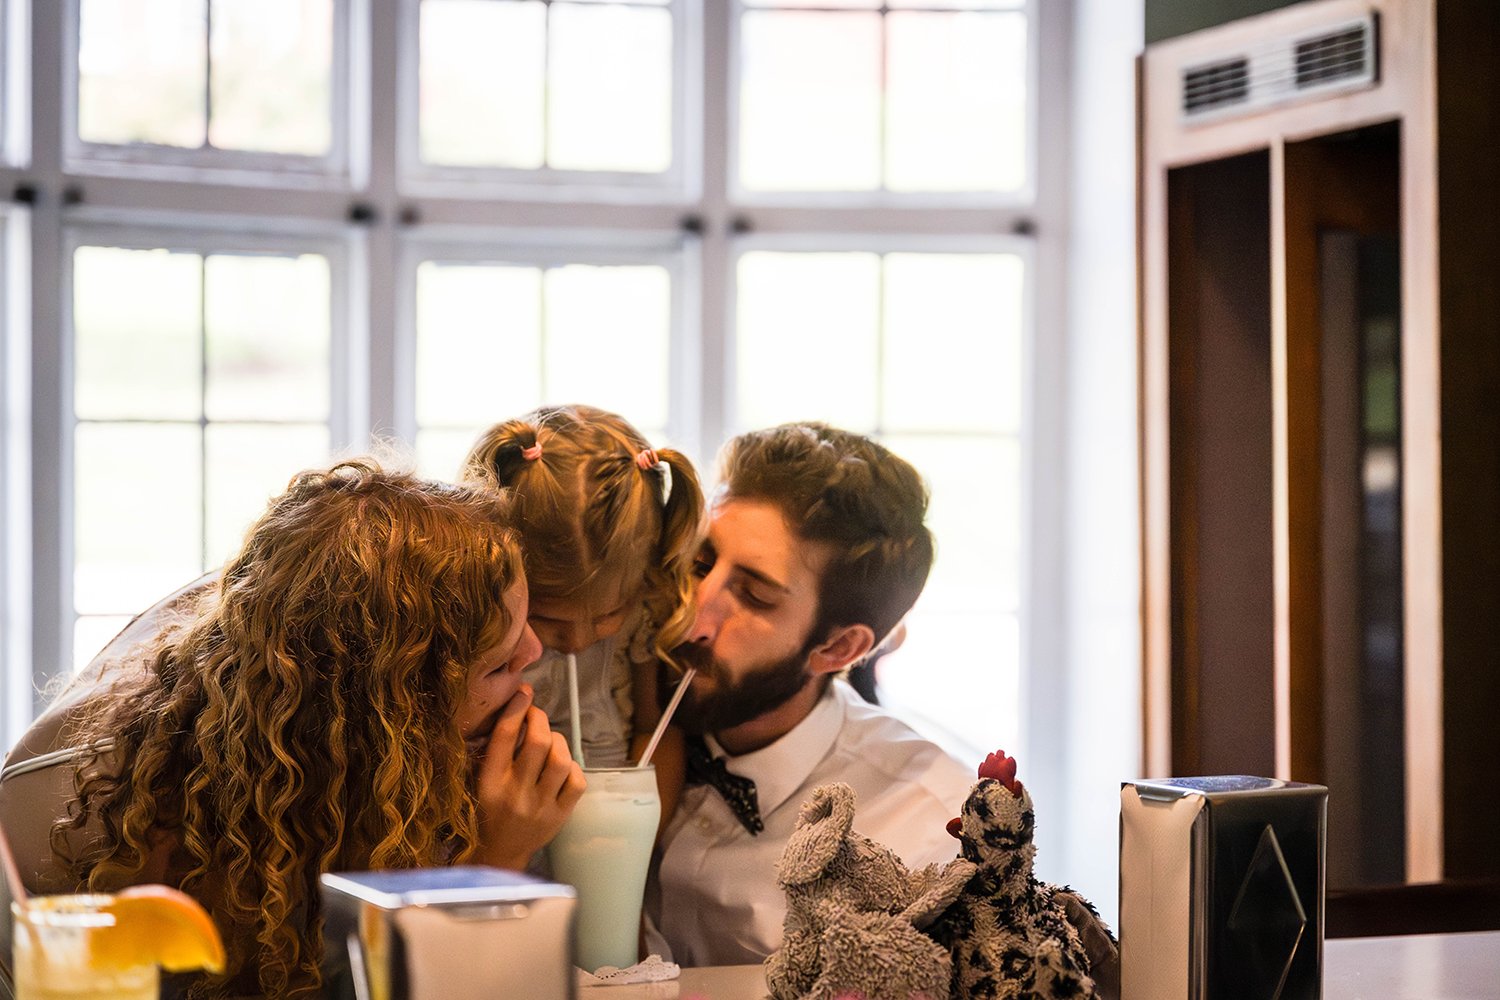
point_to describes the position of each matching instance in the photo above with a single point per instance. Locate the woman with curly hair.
(345, 695)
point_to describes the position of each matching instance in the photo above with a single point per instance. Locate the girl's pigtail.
(502, 453)
(681, 534)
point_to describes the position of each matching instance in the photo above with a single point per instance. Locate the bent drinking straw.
(666, 716)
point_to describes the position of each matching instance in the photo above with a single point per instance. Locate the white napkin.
(654, 969)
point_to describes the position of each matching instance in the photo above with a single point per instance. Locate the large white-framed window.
(665, 286)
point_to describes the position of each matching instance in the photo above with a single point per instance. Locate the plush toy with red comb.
(1010, 935)
(860, 924)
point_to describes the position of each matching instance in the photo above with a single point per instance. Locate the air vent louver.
(1335, 58)
(1331, 57)
(1215, 85)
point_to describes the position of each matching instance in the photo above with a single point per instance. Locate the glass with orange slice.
(110, 947)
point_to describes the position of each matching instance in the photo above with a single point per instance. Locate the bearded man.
(816, 549)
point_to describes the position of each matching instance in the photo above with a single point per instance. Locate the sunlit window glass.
(856, 95)
(245, 75)
(565, 84)
(269, 88)
(800, 317)
(497, 340)
(924, 351)
(201, 387)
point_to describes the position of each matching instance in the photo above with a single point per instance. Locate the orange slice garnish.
(157, 924)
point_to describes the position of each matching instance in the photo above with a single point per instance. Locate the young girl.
(610, 527)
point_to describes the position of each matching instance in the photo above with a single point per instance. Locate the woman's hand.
(528, 785)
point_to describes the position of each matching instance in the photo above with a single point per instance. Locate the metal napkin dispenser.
(1221, 889)
(461, 933)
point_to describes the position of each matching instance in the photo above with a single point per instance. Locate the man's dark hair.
(851, 494)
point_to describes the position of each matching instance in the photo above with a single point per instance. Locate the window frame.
(1035, 367)
(240, 167)
(1022, 198)
(533, 248)
(345, 426)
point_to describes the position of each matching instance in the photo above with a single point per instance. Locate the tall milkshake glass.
(603, 852)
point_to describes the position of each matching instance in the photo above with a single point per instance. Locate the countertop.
(1415, 967)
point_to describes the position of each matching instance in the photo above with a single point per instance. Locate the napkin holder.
(461, 933)
(1221, 889)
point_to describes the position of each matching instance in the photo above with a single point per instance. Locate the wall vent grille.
(1332, 59)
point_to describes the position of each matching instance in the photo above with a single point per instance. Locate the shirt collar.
(781, 768)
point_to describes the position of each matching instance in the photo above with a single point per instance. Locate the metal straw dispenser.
(463, 933)
(1221, 889)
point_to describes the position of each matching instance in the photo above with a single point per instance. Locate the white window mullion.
(386, 64)
(716, 289)
(15, 475)
(1047, 692)
(50, 468)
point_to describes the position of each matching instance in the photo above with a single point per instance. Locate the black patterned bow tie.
(703, 768)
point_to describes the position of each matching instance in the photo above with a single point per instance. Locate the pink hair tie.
(647, 459)
(533, 453)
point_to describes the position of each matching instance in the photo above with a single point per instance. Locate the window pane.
(952, 321)
(807, 338)
(975, 515)
(142, 67)
(440, 454)
(964, 692)
(479, 342)
(610, 88)
(289, 42)
(267, 324)
(137, 514)
(810, 101)
(482, 66)
(956, 92)
(608, 330)
(136, 317)
(92, 632)
(246, 466)
(961, 693)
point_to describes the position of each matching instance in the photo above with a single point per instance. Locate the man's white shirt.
(713, 897)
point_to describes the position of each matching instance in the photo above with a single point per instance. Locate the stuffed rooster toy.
(994, 932)
(1009, 934)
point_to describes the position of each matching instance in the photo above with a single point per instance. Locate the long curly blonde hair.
(596, 505)
(305, 721)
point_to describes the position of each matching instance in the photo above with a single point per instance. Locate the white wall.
(1101, 588)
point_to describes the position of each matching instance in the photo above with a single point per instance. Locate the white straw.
(666, 716)
(574, 719)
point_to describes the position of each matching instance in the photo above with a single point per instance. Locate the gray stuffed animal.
(855, 913)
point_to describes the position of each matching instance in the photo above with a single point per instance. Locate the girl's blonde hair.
(304, 722)
(595, 505)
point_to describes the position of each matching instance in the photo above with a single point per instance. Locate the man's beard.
(762, 689)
